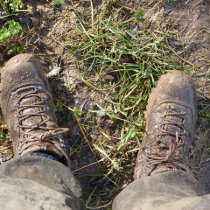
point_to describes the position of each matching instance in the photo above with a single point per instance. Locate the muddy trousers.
(38, 183)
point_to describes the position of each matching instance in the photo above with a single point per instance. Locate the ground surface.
(75, 44)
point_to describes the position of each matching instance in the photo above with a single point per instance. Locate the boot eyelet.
(39, 88)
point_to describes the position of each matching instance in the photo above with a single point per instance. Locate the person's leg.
(162, 177)
(33, 182)
(176, 189)
(39, 176)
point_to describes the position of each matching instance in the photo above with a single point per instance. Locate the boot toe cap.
(22, 69)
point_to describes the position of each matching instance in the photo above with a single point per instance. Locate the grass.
(11, 28)
(14, 21)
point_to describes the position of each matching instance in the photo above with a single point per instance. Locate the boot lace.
(168, 144)
(37, 108)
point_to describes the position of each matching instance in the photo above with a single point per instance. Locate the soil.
(191, 19)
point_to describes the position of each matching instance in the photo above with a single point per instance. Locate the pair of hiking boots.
(28, 110)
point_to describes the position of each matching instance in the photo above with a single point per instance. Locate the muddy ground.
(191, 19)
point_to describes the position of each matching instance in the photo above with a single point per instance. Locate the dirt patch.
(191, 20)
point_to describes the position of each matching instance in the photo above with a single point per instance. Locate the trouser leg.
(38, 183)
(171, 190)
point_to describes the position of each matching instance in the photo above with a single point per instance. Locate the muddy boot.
(170, 124)
(28, 109)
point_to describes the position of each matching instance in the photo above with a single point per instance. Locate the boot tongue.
(170, 137)
(161, 169)
(171, 127)
(32, 120)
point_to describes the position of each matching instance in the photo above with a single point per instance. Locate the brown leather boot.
(28, 109)
(170, 124)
